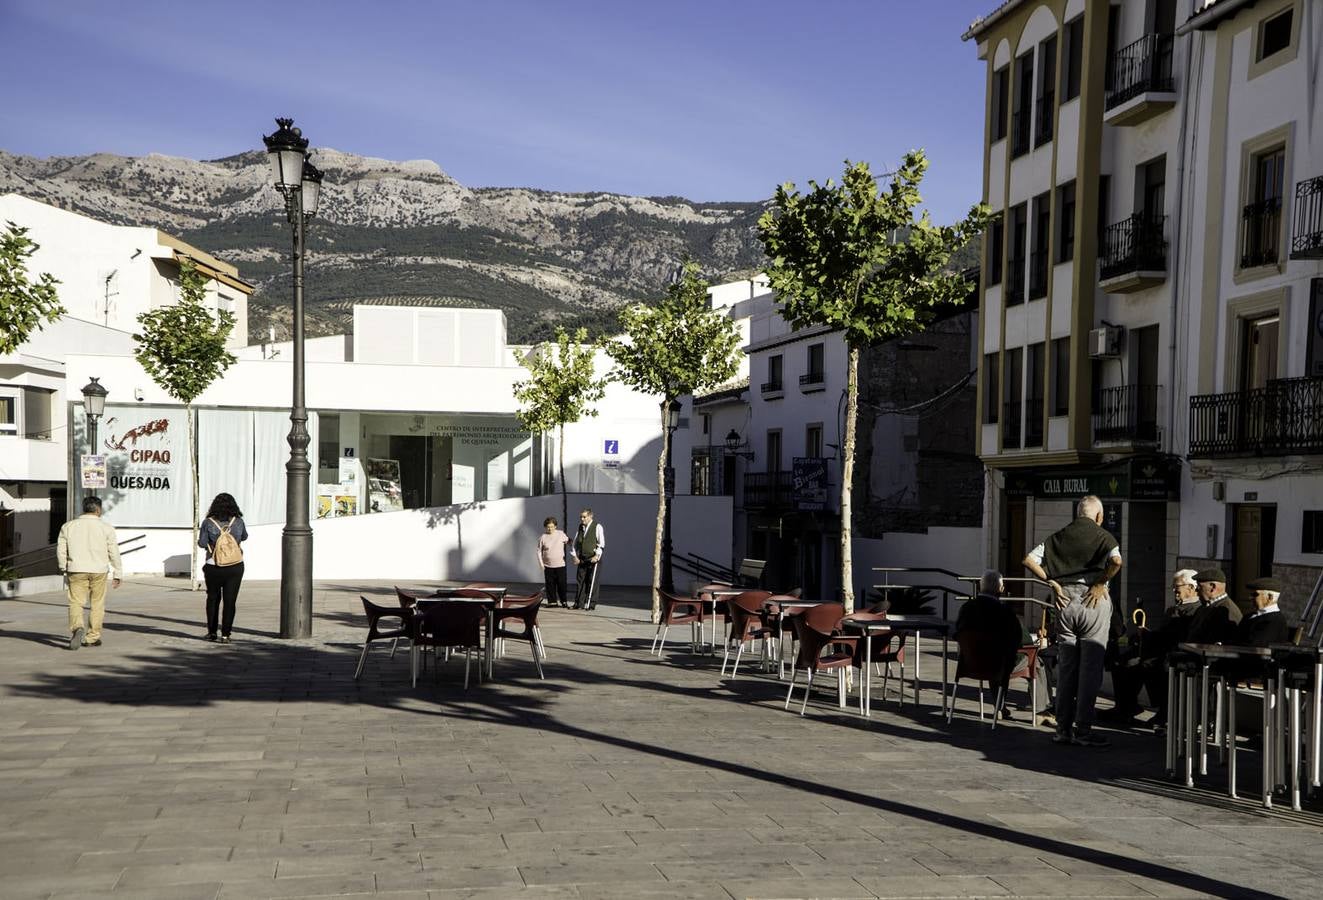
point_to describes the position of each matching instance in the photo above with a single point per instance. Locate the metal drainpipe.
(1177, 243)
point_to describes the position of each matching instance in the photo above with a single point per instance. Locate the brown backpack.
(226, 551)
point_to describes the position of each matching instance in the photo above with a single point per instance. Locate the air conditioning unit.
(1105, 342)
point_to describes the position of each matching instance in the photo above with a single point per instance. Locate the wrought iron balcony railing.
(769, 490)
(1285, 417)
(1127, 413)
(773, 387)
(812, 379)
(1140, 68)
(1260, 233)
(1135, 244)
(1307, 234)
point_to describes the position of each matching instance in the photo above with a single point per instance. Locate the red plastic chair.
(522, 611)
(818, 629)
(677, 611)
(375, 614)
(983, 657)
(454, 625)
(746, 624)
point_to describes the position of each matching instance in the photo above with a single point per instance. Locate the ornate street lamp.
(94, 407)
(299, 182)
(734, 445)
(671, 420)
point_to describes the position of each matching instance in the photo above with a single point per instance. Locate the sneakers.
(1089, 739)
(224, 638)
(211, 636)
(76, 638)
(96, 643)
(1062, 737)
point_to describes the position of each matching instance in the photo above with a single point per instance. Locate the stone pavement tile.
(290, 850)
(48, 860)
(659, 837)
(775, 888)
(731, 866)
(858, 868)
(451, 877)
(183, 836)
(200, 891)
(590, 871)
(557, 840)
(941, 864)
(120, 859)
(1064, 886)
(933, 886)
(263, 888)
(670, 890)
(306, 865)
(538, 892)
(154, 876)
(39, 887)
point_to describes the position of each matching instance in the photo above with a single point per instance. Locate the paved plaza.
(161, 766)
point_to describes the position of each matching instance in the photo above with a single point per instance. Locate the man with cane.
(589, 542)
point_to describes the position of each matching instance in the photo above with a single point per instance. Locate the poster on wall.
(326, 500)
(93, 471)
(147, 474)
(384, 492)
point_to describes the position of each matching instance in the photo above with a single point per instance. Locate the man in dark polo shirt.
(1079, 561)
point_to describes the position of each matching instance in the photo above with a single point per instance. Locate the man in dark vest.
(1266, 625)
(589, 542)
(1079, 561)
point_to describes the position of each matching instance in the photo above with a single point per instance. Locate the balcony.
(1015, 281)
(769, 490)
(1020, 132)
(1038, 269)
(1126, 414)
(773, 390)
(1260, 231)
(1141, 84)
(812, 381)
(1307, 235)
(1033, 424)
(1010, 425)
(1133, 254)
(1285, 417)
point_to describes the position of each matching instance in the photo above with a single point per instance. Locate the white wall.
(488, 540)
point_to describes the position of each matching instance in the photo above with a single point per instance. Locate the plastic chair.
(746, 624)
(453, 624)
(375, 614)
(523, 611)
(982, 656)
(817, 629)
(676, 611)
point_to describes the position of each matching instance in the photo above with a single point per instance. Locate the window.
(700, 475)
(1024, 104)
(1015, 258)
(815, 360)
(1109, 66)
(1042, 232)
(774, 450)
(1261, 219)
(328, 443)
(1072, 50)
(37, 414)
(1047, 80)
(1060, 394)
(1001, 95)
(774, 366)
(1151, 189)
(996, 247)
(1274, 35)
(813, 441)
(1012, 385)
(1033, 431)
(1066, 222)
(1104, 203)
(991, 390)
(8, 414)
(1311, 531)
(707, 422)
(1258, 359)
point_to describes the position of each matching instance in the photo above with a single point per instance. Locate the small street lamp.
(299, 182)
(671, 421)
(734, 443)
(94, 407)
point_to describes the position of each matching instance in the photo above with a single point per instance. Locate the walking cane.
(592, 582)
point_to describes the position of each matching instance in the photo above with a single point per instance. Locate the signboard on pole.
(93, 471)
(810, 482)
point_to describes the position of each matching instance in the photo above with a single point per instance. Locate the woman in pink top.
(551, 554)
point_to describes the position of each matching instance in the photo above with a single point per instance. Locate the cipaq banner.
(148, 482)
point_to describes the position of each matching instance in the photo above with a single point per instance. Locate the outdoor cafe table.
(713, 596)
(495, 597)
(782, 606)
(902, 625)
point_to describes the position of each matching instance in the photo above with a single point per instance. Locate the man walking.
(589, 542)
(86, 549)
(1079, 561)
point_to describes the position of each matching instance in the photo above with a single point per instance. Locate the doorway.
(1145, 555)
(1014, 524)
(1253, 539)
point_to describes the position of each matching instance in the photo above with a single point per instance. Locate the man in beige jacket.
(86, 549)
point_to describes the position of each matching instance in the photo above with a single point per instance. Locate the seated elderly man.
(1218, 617)
(1266, 624)
(1151, 671)
(987, 614)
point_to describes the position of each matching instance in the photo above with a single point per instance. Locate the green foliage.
(562, 386)
(680, 346)
(835, 259)
(182, 346)
(24, 306)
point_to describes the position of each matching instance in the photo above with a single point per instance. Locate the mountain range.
(407, 233)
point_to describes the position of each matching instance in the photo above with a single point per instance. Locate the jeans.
(222, 584)
(1081, 644)
(85, 587)
(556, 584)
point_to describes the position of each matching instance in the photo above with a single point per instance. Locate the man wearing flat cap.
(1218, 618)
(1266, 624)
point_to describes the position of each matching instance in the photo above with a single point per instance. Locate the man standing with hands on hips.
(85, 550)
(1078, 561)
(589, 542)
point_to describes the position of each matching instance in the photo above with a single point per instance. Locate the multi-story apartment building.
(1082, 138)
(1145, 320)
(1252, 293)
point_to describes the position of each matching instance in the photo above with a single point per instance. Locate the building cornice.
(1213, 14)
(1041, 460)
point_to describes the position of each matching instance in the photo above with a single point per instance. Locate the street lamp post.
(671, 421)
(299, 182)
(94, 407)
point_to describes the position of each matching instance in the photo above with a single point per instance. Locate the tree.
(182, 347)
(836, 261)
(24, 306)
(561, 389)
(680, 346)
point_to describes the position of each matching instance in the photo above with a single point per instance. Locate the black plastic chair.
(454, 625)
(375, 614)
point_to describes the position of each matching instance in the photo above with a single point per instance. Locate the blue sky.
(715, 100)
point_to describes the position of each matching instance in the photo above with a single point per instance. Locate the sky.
(714, 100)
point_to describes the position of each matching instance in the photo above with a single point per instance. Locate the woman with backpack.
(221, 534)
